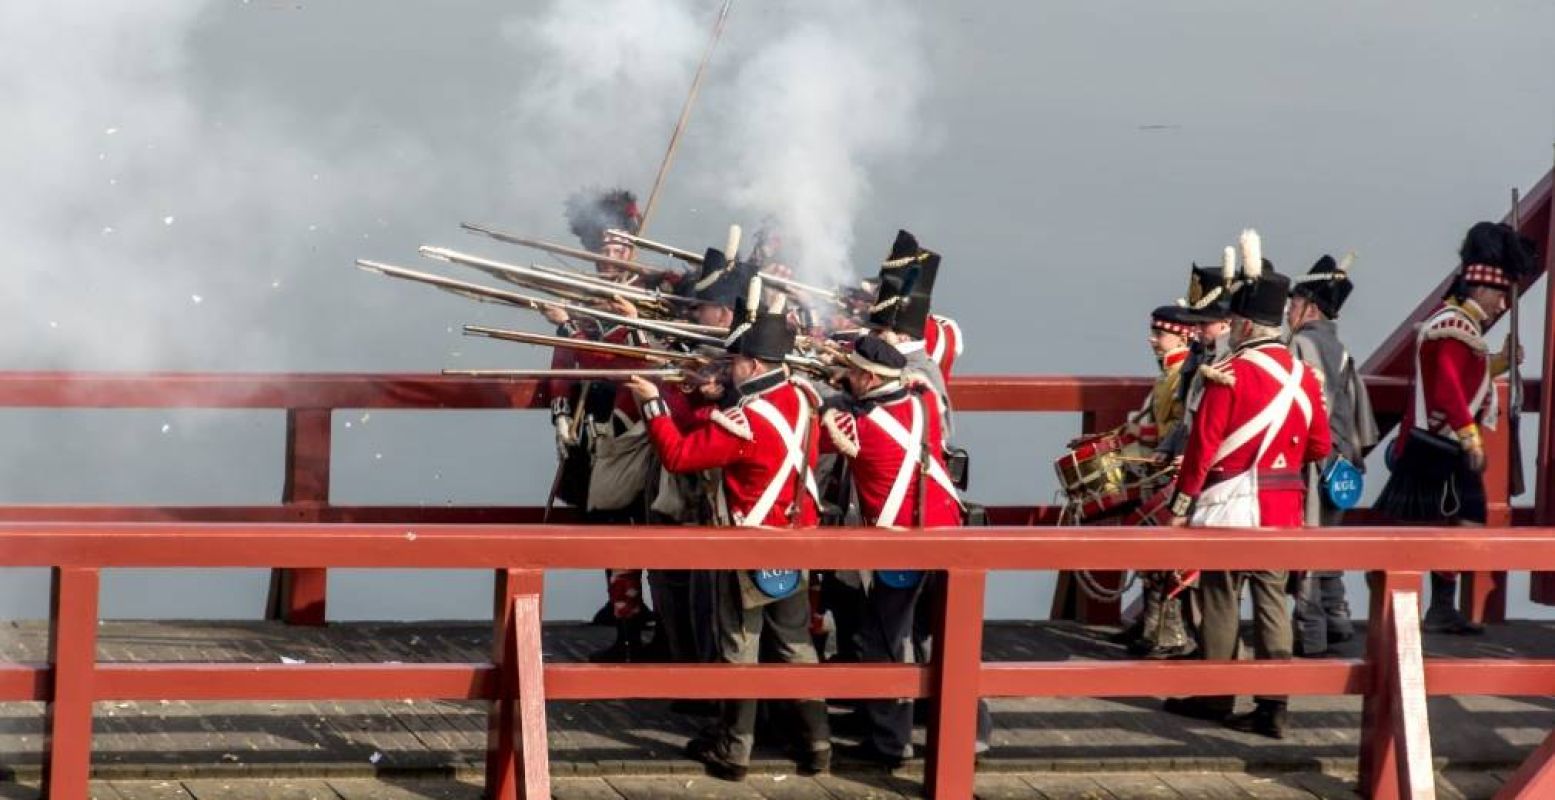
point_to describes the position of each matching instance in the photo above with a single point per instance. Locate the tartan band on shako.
(1486, 275)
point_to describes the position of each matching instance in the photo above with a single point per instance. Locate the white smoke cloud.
(602, 86)
(803, 100)
(836, 93)
(147, 225)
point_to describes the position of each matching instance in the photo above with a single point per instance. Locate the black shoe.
(706, 751)
(867, 753)
(1451, 622)
(1265, 720)
(813, 762)
(1340, 638)
(1195, 708)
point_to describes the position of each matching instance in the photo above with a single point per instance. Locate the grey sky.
(1068, 158)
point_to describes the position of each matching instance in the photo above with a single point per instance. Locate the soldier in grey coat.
(1322, 616)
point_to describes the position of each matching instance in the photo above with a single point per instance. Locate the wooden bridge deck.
(1042, 747)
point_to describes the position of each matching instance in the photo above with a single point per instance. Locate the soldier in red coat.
(943, 342)
(766, 445)
(600, 441)
(889, 430)
(1438, 459)
(1259, 420)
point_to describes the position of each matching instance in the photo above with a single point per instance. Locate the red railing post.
(1483, 598)
(506, 747)
(1070, 602)
(957, 686)
(1541, 588)
(298, 596)
(73, 659)
(1384, 753)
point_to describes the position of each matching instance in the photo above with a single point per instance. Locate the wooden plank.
(583, 789)
(1330, 787)
(864, 787)
(1282, 786)
(101, 790)
(159, 790)
(1203, 786)
(1138, 786)
(405, 790)
(1411, 721)
(787, 787)
(272, 789)
(1069, 787)
(675, 787)
(1004, 787)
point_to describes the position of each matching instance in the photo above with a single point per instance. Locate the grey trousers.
(680, 598)
(780, 628)
(1321, 611)
(885, 635)
(1220, 596)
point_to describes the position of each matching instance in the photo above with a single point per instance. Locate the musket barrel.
(644, 270)
(526, 276)
(671, 375)
(657, 247)
(798, 286)
(586, 345)
(700, 334)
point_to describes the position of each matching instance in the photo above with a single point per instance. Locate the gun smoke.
(802, 101)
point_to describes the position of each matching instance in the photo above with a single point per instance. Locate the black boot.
(628, 646)
(1442, 616)
(1266, 719)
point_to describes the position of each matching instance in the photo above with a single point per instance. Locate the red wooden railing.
(1395, 756)
(299, 595)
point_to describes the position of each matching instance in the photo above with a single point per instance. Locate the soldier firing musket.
(599, 260)
(564, 284)
(584, 345)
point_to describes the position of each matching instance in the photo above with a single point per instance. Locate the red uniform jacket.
(1453, 381)
(753, 453)
(571, 359)
(942, 341)
(1235, 392)
(875, 435)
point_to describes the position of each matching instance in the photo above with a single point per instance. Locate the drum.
(1093, 478)
(1156, 509)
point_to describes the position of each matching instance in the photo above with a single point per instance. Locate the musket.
(802, 288)
(545, 280)
(1515, 479)
(667, 276)
(669, 375)
(585, 345)
(485, 294)
(657, 247)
